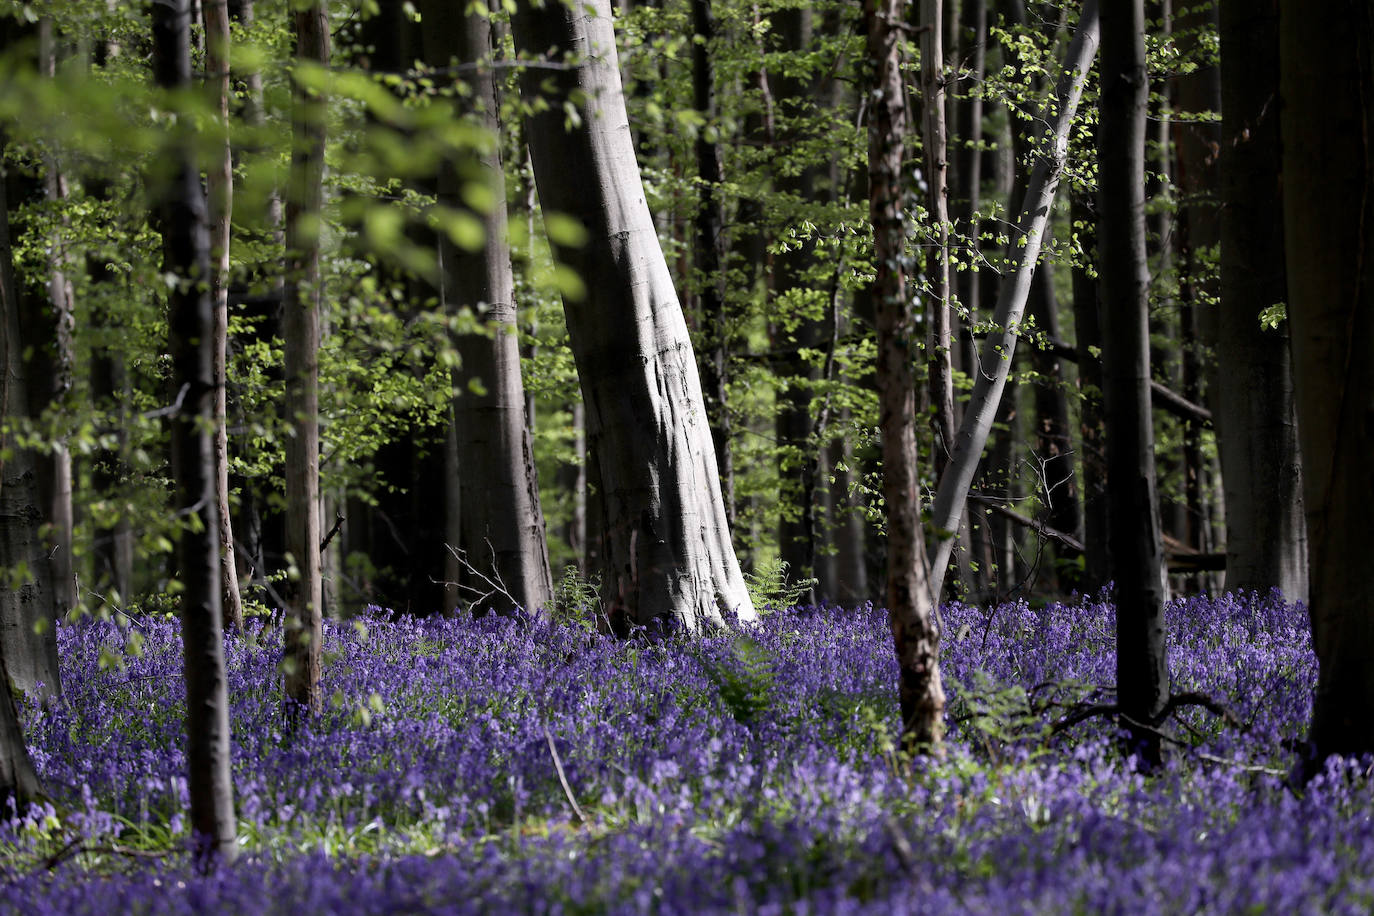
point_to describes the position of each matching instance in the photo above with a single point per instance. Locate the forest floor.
(488, 766)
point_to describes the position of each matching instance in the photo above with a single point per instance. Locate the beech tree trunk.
(301, 333)
(1142, 672)
(911, 613)
(186, 247)
(28, 631)
(502, 524)
(1266, 537)
(220, 185)
(939, 356)
(666, 540)
(1326, 82)
(1000, 346)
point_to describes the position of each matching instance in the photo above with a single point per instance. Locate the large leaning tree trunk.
(1137, 557)
(666, 550)
(301, 343)
(1261, 470)
(502, 525)
(1327, 87)
(181, 215)
(911, 612)
(219, 183)
(1000, 346)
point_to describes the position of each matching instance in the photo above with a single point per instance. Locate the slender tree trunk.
(709, 256)
(59, 370)
(1142, 671)
(797, 450)
(262, 541)
(1266, 538)
(186, 244)
(502, 523)
(1326, 83)
(667, 550)
(939, 366)
(1000, 346)
(301, 327)
(1087, 319)
(220, 185)
(912, 616)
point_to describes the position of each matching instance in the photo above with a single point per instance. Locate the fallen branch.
(562, 777)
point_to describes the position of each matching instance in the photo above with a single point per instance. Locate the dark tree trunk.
(28, 632)
(1326, 83)
(301, 338)
(797, 449)
(18, 779)
(1266, 537)
(502, 523)
(666, 540)
(1134, 536)
(915, 634)
(1087, 319)
(181, 213)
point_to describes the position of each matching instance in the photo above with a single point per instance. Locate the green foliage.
(770, 589)
(577, 601)
(743, 677)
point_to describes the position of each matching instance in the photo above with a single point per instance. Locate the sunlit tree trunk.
(1137, 558)
(939, 353)
(1266, 537)
(1326, 83)
(502, 524)
(911, 614)
(666, 540)
(301, 332)
(220, 184)
(18, 779)
(1000, 346)
(181, 214)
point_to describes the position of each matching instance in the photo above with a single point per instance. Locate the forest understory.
(494, 765)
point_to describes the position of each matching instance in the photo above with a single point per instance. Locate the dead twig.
(562, 777)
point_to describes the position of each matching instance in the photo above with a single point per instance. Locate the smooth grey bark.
(1266, 537)
(304, 590)
(502, 523)
(220, 187)
(1326, 84)
(995, 362)
(1137, 557)
(182, 220)
(912, 614)
(665, 536)
(939, 353)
